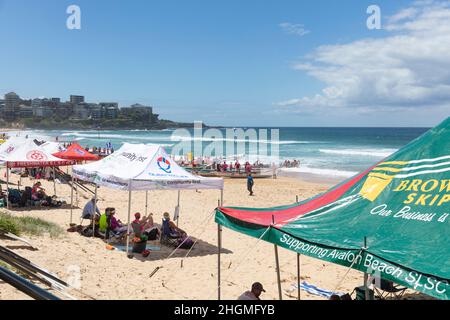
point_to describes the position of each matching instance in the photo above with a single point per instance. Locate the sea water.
(324, 152)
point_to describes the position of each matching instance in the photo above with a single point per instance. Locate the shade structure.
(25, 153)
(142, 167)
(76, 152)
(400, 205)
(51, 147)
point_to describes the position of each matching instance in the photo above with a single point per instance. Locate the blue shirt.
(89, 210)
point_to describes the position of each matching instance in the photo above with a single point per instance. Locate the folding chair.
(166, 237)
(388, 289)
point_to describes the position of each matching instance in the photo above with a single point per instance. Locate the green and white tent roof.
(400, 205)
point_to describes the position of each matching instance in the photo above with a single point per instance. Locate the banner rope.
(240, 260)
(204, 222)
(348, 270)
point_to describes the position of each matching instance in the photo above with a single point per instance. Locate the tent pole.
(146, 202)
(366, 276)
(277, 263)
(129, 217)
(95, 211)
(178, 206)
(76, 193)
(71, 201)
(298, 277)
(54, 181)
(219, 246)
(7, 186)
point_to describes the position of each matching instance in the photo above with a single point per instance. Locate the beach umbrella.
(391, 221)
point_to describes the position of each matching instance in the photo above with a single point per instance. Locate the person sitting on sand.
(88, 210)
(144, 227)
(37, 192)
(254, 294)
(174, 231)
(116, 225)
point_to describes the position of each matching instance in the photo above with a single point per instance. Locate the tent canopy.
(142, 167)
(25, 153)
(76, 152)
(401, 206)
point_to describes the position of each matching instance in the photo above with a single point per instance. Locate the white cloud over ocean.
(408, 68)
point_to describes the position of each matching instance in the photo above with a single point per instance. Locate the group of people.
(100, 150)
(38, 173)
(143, 228)
(290, 164)
(31, 196)
(236, 167)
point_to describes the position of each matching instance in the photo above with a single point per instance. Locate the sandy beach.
(106, 274)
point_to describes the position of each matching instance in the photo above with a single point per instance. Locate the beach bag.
(87, 231)
(152, 234)
(139, 247)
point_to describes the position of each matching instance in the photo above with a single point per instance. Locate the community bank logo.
(36, 155)
(382, 175)
(164, 164)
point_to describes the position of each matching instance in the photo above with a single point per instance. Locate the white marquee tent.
(142, 167)
(25, 153)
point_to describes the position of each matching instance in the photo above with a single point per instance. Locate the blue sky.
(237, 63)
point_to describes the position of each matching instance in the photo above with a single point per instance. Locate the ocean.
(327, 152)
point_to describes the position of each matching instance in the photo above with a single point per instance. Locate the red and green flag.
(401, 206)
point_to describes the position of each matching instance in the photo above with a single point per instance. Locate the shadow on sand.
(43, 208)
(201, 248)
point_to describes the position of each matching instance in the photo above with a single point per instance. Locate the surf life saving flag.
(401, 206)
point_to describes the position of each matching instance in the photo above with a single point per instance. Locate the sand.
(105, 274)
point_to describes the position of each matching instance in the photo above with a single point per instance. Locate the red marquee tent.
(76, 152)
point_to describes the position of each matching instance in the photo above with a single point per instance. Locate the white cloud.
(409, 68)
(296, 29)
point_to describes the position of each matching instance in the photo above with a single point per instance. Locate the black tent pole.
(25, 286)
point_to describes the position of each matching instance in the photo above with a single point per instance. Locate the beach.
(106, 274)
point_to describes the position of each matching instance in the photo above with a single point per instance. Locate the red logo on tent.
(36, 155)
(164, 164)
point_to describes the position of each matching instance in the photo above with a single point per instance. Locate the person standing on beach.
(237, 167)
(250, 184)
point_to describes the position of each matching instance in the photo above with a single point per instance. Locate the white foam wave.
(380, 153)
(206, 139)
(123, 137)
(316, 171)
